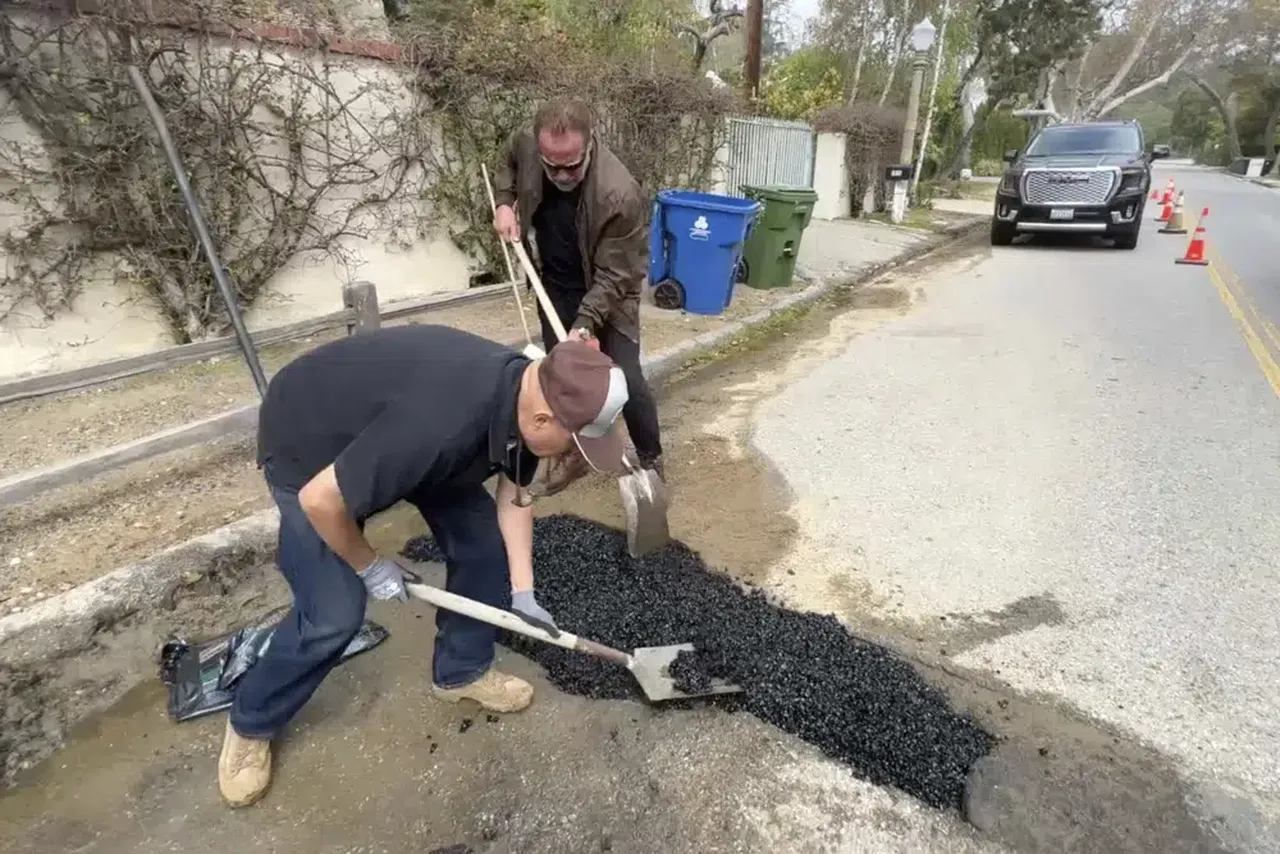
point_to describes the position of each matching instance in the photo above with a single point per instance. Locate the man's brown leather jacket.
(612, 229)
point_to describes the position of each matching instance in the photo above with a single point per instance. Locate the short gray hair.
(564, 115)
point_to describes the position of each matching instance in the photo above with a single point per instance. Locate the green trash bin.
(769, 257)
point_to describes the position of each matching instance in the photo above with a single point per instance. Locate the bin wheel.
(669, 294)
(742, 272)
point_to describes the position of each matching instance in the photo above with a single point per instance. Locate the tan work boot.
(244, 768)
(497, 692)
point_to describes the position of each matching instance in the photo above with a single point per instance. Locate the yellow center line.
(1257, 346)
(1268, 331)
(1246, 313)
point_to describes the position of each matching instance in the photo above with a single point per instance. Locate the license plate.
(1061, 213)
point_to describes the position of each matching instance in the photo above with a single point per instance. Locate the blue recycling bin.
(695, 243)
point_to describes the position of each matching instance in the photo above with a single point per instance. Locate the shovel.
(650, 665)
(644, 495)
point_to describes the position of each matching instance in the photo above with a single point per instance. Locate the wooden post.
(361, 298)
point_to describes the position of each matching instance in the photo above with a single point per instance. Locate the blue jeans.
(329, 603)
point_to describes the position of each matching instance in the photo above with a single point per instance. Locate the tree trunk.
(968, 121)
(899, 47)
(964, 151)
(1072, 113)
(862, 57)
(1269, 134)
(1049, 79)
(1227, 109)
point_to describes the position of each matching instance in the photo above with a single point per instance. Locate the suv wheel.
(1002, 233)
(1126, 239)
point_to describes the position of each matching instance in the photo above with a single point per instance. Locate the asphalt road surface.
(1064, 466)
(1051, 484)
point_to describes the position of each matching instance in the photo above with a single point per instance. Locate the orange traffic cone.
(1195, 249)
(1167, 198)
(1174, 224)
(1166, 211)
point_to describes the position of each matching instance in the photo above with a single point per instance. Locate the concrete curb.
(79, 652)
(67, 622)
(1269, 183)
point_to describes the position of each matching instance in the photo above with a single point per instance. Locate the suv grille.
(1068, 186)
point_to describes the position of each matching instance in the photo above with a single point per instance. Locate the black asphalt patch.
(802, 672)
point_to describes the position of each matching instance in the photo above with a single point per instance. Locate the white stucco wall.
(831, 178)
(111, 317)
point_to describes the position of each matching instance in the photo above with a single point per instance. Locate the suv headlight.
(1131, 180)
(1009, 182)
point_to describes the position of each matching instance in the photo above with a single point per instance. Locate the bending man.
(424, 414)
(588, 224)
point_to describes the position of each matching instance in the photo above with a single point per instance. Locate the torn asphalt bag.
(202, 677)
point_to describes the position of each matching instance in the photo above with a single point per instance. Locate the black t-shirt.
(402, 412)
(556, 224)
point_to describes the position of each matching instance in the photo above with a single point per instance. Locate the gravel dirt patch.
(800, 671)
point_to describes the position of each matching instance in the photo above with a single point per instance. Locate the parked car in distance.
(1090, 178)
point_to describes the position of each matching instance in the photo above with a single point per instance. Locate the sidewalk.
(68, 536)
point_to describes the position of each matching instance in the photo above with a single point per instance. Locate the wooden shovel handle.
(488, 614)
(536, 281)
(509, 621)
(608, 653)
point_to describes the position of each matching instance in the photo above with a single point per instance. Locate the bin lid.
(780, 192)
(708, 201)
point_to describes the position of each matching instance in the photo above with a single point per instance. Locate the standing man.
(588, 223)
(424, 414)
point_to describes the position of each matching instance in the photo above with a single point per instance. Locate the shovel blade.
(644, 498)
(651, 665)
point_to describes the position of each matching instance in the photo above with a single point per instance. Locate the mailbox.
(899, 173)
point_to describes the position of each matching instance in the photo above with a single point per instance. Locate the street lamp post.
(921, 40)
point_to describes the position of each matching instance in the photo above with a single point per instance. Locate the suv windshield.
(1099, 139)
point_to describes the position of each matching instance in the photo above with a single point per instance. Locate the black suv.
(1077, 178)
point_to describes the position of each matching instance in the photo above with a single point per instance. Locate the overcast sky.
(801, 10)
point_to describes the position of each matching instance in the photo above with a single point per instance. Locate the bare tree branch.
(719, 24)
(1122, 73)
(1155, 82)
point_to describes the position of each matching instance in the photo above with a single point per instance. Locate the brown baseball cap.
(586, 391)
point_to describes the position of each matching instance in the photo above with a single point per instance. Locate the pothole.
(804, 673)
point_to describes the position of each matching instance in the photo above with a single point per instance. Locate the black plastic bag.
(202, 677)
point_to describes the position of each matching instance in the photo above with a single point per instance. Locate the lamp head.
(922, 35)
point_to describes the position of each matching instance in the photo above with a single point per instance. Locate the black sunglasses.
(566, 167)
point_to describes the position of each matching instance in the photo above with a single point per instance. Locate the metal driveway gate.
(769, 152)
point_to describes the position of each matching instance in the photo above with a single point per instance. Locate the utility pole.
(755, 39)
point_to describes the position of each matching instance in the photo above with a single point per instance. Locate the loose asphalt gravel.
(802, 672)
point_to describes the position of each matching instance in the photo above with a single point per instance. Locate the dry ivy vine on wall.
(292, 153)
(282, 150)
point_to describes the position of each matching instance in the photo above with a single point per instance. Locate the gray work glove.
(384, 579)
(524, 606)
